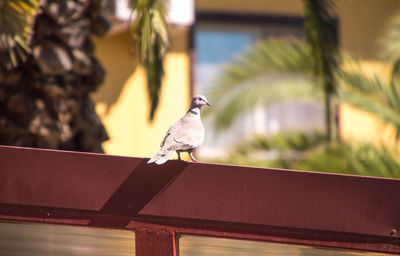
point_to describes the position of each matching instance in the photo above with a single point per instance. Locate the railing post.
(151, 241)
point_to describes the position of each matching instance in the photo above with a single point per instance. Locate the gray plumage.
(185, 135)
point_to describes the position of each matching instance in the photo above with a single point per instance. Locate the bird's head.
(199, 101)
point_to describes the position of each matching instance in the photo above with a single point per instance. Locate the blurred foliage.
(369, 91)
(311, 152)
(151, 39)
(391, 41)
(295, 140)
(271, 71)
(391, 46)
(282, 150)
(360, 159)
(16, 25)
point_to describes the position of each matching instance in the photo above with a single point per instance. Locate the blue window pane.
(217, 47)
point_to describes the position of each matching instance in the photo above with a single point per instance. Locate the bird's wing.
(188, 135)
(166, 151)
(166, 136)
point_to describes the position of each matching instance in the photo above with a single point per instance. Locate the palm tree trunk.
(321, 34)
(45, 101)
(328, 116)
(331, 118)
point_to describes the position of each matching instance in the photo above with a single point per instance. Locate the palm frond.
(391, 41)
(310, 152)
(359, 159)
(391, 46)
(273, 56)
(150, 34)
(16, 25)
(267, 90)
(371, 93)
(291, 140)
(395, 76)
(271, 71)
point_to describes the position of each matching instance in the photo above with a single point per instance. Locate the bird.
(185, 135)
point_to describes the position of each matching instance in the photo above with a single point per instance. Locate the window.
(199, 246)
(219, 37)
(50, 240)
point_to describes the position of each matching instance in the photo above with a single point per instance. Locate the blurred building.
(205, 35)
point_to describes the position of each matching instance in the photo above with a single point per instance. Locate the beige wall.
(288, 7)
(362, 25)
(361, 22)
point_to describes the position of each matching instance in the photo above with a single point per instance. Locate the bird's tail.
(161, 157)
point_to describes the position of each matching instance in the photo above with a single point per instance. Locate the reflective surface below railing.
(205, 246)
(17, 239)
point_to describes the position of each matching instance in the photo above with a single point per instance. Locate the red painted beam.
(282, 198)
(200, 198)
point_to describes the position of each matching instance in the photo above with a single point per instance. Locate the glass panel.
(206, 246)
(18, 239)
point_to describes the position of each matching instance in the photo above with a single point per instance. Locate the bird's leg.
(179, 155)
(192, 157)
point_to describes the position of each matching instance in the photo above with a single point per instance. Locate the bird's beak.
(208, 104)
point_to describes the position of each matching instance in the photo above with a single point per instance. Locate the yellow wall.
(359, 125)
(122, 101)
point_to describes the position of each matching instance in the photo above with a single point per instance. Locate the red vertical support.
(151, 241)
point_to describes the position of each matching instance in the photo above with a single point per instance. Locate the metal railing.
(162, 203)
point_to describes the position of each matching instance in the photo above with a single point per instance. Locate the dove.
(185, 135)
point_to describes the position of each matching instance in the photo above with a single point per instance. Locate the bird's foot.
(192, 157)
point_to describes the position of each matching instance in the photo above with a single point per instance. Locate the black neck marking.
(193, 112)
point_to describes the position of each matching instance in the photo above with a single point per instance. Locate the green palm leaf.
(16, 23)
(151, 40)
(311, 152)
(272, 56)
(271, 71)
(372, 94)
(391, 41)
(359, 159)
(269, 89)
(391, 46)
(287, 141)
